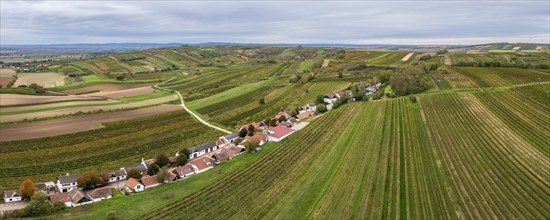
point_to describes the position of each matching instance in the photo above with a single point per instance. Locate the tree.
(237, 141)
(181, 160)
(163, 175)
(120, 77)
(186, 152)
(153, 169)
(321, 108)
(261, 101)
(409, 80)
(340, 75)
(320, 99)
(251, 145)
(272, 122)
(26, 189)
(243, 132)
(251, 130)
(133, 173)
(162, 160)
(89, 179)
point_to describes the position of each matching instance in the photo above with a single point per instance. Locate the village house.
(47, 187)
(140, 167)
(224, 155)
(11, 196)
(238, 149)
(72, 198)
(305, 115)
(150, 181)
(232, 137)
(100, 194)
(185, 170)
(134, 185)
(202, 164)
(278, 133)
(330, 98)
(311, 107)
(259, 136)
(67, 183)
(284, 115)
(202, 149)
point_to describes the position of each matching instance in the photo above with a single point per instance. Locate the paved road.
(197, 117)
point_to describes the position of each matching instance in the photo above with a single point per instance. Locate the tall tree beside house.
(321, 108)
(320, 99)
(89, 179)
(186, 152)
(181, 160)
(162, 160)
(251, 130)
(153, 169)
(133, 173)
(26, 189)
(272, 122)
(243, 132)
(163, 175)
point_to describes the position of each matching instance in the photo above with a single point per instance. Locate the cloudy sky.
(353, 22)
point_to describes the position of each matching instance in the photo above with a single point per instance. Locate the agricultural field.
(410, 163)
(388, 58)
(118, 144)
(104, 88)
(46, 80)
(492, 77)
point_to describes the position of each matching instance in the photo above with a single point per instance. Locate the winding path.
(197, 117)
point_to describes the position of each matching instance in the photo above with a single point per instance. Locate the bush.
(261, 101)
(162, 160)
(320, 99)
(412, 98)
(409, 80)
(153, 169)
(163, 175)
(321, 108)
(243, 132)
(90, 179)
(181, 160)
(251, 145)
(133, 173)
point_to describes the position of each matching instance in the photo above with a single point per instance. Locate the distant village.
(68, 189)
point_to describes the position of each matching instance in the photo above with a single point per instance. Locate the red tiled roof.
(60, 197)
(150, 180)
(100, 193)
(305, 115)
(279, 131)
(183, 170)
(258, 136)
(253, 124)
(132, 183)
(202, 163)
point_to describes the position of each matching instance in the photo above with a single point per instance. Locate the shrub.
(162, 160)
(261, 101)
(153, 169)
(89, 179)
(251, 145)
(412, 98)
(111, 215)
(321, 108)
(181, 160)
(163, 175)
(133, 173)
(243, 132)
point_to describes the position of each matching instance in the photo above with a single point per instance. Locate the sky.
(302, 22)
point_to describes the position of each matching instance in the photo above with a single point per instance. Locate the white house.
(330, 98)
(134, 185)
(185, 170)
(67, 183)
(71, 199)
(311, 107)
(202, 149)
(11, 196)
(150, 181)
(202, 164)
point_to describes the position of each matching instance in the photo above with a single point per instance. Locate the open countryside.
(274, 131)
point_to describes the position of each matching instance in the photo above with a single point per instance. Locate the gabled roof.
(172, 159)
(69, 178)
(225, 155)
(150, 180)
(120, 172)
(237, 149)
(60, 197)
(305, 115)
(279, 131)
(232, 136)
(184, 170)
(202, 163)
(41, 186)
(11, 193)
(140, 167)
(294, 120)
(258, 135)
(202, 146)
(132, 183)
(100, 193)
(78, 197)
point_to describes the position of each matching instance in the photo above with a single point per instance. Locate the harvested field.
(16, 99)
(46, 80)
(74, 124)
(4, 81)
(407, 57)
(55, 105)
(67, 111)
(106, 88)
(7, 72)
(123, 93)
